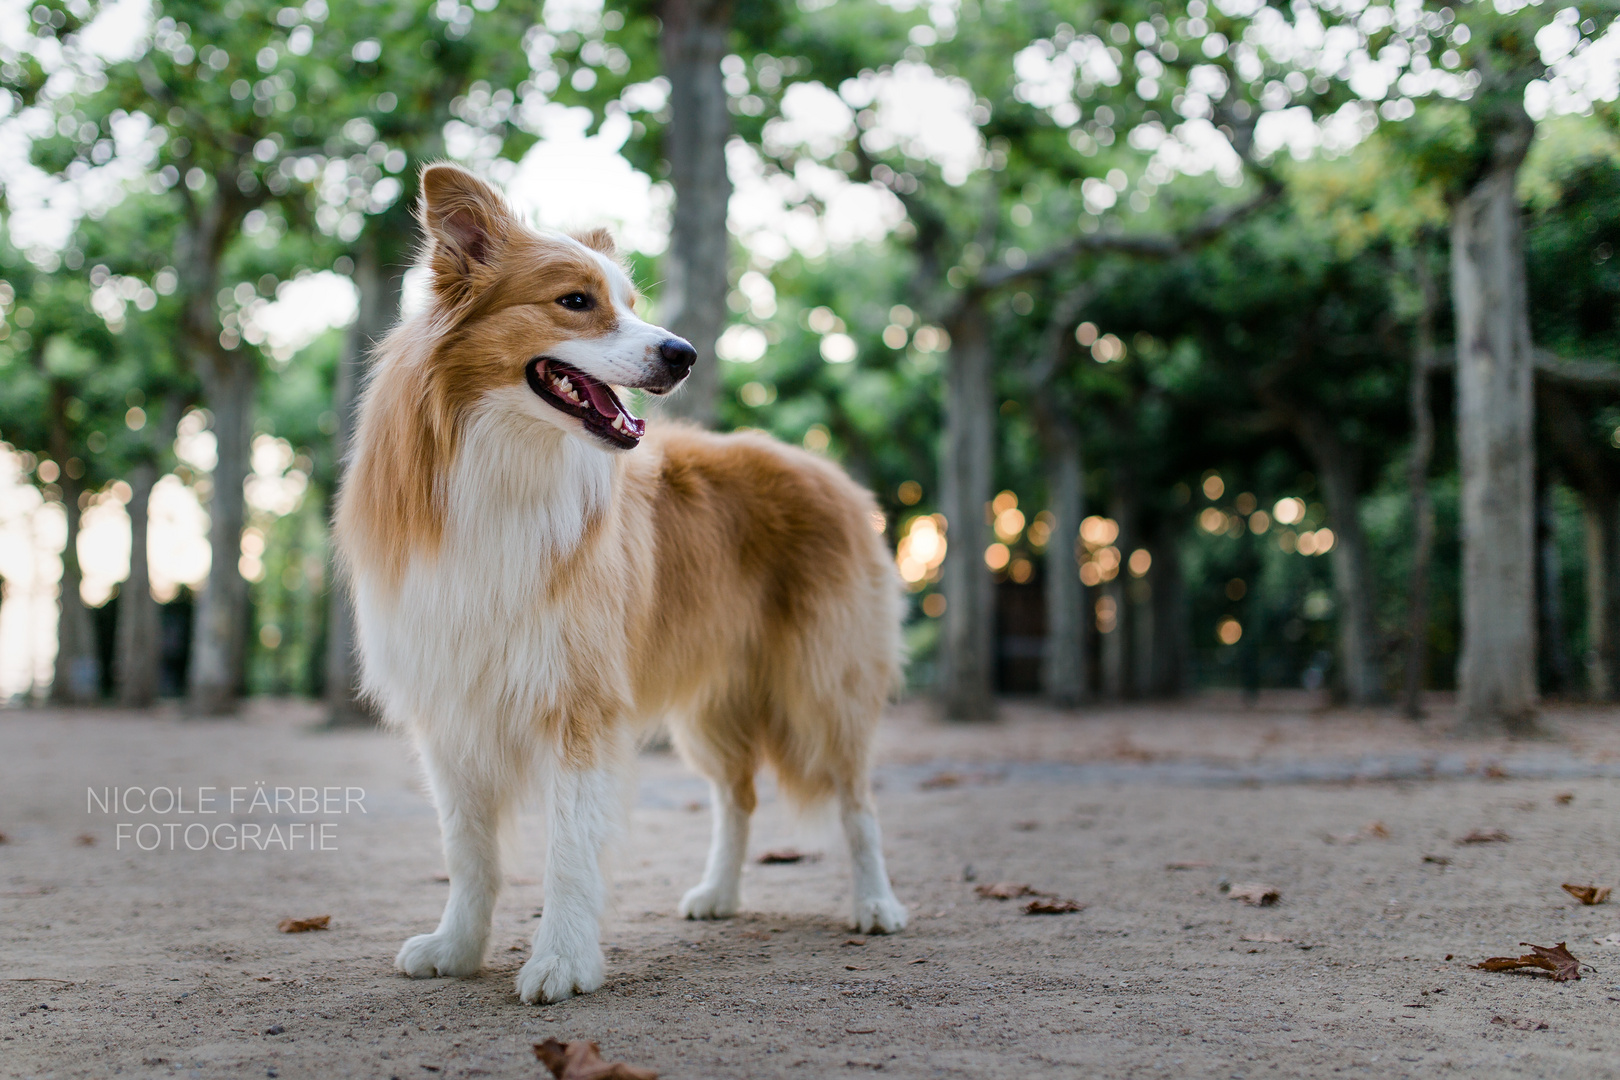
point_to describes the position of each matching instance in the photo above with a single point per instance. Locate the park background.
(1185, 345)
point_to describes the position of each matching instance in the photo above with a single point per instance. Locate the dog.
(538, 577)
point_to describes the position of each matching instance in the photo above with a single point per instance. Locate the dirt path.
(168, 963)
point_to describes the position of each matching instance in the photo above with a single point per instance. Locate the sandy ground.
(163, 963)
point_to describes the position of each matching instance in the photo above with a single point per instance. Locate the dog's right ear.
(468, 222)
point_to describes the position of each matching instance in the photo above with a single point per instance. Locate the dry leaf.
(1564, 798)
(85, 840)
(1588, 894)
(860, 1031)
(582, 1060)
(1007, 890)
(785, 855)
(1485, 836)
(1521, 1024)
(1052, 906)
(1255, 894)
(1376, 830)
(1197, 864)
(1438, 860)
(299, 926)
(1556, 961)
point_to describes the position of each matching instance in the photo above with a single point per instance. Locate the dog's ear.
(600, 240)
(467, 221)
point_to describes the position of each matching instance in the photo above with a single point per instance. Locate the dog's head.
(547, 323)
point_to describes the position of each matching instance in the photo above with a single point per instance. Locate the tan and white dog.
(537, 577)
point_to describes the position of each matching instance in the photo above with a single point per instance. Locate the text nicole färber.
(197, 811)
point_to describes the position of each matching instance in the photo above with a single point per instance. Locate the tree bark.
(1602, 513)
(76, 678)
(379, 283)
(1417, 478)
(1067, 678)
(137, 663)
(1352, 572)
(1495, 435)
(693, 301)
(1171, 648)
(218, 644)
(965, 482)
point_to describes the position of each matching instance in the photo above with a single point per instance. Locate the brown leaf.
(582, 1060)
(299, 926)
(1555, 960)
(1438, 860)
(1008, 890)
(1588, 894)
(1376, 830)
(1564, 798)
(1521, 1024)
(1485, 836)
(1052, 906)
(1255, 894)
(85, 840)
(785, 855)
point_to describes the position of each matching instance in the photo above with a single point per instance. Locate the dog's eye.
(577, 301)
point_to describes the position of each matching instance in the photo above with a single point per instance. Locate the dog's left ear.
(600, 240)
(468, 222)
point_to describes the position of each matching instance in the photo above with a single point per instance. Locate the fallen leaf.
(855, 941)
(1007, 890)
(1588, 894)
(1255, 894)
(1196, 864)
(1376, 830)
(85, 840)
(786, 855)
(1438, 860)
(1521, 1024)
(582, 1060)
(1485, 836)
(299, 926)
(1564, 798)
(860, 1031)
(1052, 906)
(919, 960)
(1493, 771)
(854, 967)
(1556, 961)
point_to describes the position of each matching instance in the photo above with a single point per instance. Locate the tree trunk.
(1495, 433)
(1417, 478)
(76, 679)
(1602, 512)
(1116, 645)
(137, 663)
(966, 461)
(693, 301)
(379, 285)
(218, 644)
(1550, 596)
(1352, 572)
(1171, 648)
(1066, 678)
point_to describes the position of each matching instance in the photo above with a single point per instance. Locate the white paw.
(544, 979)
(709, 902)
(428, 955)
(879, 915)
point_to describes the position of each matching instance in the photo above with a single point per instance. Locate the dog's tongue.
(602, 398)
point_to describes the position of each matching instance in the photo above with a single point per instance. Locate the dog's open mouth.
(593, 402)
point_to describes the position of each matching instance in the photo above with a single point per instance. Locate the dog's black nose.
(679, 355)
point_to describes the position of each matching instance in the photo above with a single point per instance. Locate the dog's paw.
(544, 979)
(428, 955)
(709, 902)
(879, 915)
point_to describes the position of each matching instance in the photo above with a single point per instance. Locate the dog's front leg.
(470, 811)
(567, 958)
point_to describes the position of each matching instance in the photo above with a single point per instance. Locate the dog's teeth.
(618, 422)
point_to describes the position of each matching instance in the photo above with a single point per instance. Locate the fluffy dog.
(537, 576)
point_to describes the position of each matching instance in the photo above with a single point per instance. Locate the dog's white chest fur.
(468, 629)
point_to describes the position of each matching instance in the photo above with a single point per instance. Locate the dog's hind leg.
(718, 895)
(876, 909)
(582, 815)
(471, 807)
